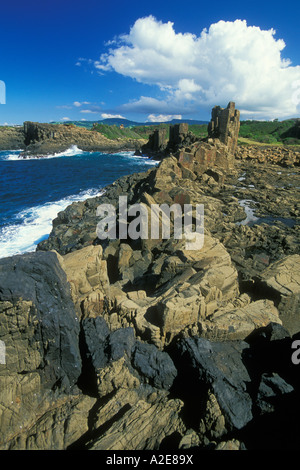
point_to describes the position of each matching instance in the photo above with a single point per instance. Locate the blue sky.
(148, 60)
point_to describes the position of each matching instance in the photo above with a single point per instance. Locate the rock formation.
(196, 155)
(42, 139)
(225, 125)
(146, 345)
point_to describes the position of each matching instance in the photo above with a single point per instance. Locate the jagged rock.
(225, 125)
(281, 280)
(120, 360)
(157, 141)
(189, 440)
(271, 386)
(212, 424)
(233, 444)
(146, 342)
(42, 139)
(96, 332)
(155, 365)
(219, 368)
(146, 424)
(86, 272)
(49, 319)
(238, 323)
(132, 264)
(283, 156)
(40, 329)
(62, 424)
(115, 375)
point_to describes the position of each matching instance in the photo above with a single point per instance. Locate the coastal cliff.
(144, 344)
(39, 139)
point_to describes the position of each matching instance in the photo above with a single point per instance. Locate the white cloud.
(111, 116)
(65, 119)
(78, 103)
(88, 111)
(163, 117)
(230, 61)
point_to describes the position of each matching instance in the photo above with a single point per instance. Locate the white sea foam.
(14, 155)
(35, 225)
(140, 159)
(70, 152)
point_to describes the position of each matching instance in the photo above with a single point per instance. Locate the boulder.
(87, 274)
(154, 365)
(239, 322)
(147, 426)
(216, 368)
(120, 360)
(281, 281)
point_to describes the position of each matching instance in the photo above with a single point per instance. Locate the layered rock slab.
(281, 280)
(40, 330)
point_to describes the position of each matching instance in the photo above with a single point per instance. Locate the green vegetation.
(200, 131)
(117, 132)
(251, 132)
(268, 132)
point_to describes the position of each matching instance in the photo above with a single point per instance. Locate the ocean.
(33, 191)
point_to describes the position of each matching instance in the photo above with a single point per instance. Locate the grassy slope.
(251, 132)
(267, 132)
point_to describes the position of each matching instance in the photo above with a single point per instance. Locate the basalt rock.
(40, 330)
(42, 139)
(281, 280)
(197, 155)
(225, 125)
(283, 156)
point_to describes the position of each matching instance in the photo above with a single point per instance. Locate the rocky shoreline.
(145, 345)
(40, 140)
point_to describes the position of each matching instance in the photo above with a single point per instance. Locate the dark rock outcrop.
(44, 139)
(219, 369)
(39, 280)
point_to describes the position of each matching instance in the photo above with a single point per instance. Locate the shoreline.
(38, 139)
(33, 219)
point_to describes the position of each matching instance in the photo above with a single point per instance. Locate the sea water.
(34, 190)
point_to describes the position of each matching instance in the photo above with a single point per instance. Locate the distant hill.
(128, 123)
(266, 132)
